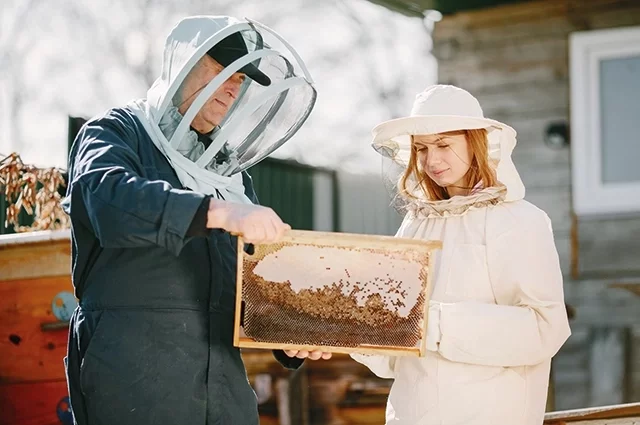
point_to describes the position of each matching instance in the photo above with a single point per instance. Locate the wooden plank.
(513, 51)
(237, 329)
(556, 203)
(522, 100)
(363, 415)
(373, 349)
(34, 403)
(28, 353)
(612, 18)
(540, 166)
(470, 36)
(503, 75)
(32, 238)
(609, 246)
(540, 10)
(348, 240)
(514, 57)
(29, 260)
(531, 133)
(539, 176)
(599, 305)
(269, 420)
(497, 16)
(633, 287)
(425, 311)
(630, 410)
(618, 421)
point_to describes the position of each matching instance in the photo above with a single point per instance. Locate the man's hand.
(313, 355)
(256, 224)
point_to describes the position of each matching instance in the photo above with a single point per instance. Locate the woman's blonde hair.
(479, 171)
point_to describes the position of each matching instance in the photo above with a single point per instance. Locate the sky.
(69, 57)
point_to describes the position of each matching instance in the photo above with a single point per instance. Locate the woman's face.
(445, 158)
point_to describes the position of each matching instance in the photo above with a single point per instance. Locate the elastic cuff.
(198, 226)
(286, 361)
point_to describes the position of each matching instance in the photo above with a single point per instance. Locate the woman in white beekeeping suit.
(496, 314)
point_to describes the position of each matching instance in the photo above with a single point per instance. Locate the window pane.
(620, 119)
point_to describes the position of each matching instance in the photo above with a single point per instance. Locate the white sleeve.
(382, 366)
(529, 324)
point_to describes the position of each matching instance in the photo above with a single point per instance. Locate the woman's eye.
(443, 146)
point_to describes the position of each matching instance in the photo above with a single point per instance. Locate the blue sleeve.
(291, 363)
(108, 194)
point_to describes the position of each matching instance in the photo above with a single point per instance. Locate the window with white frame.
(605, 121)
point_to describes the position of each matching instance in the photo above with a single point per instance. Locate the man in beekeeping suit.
(156, 190)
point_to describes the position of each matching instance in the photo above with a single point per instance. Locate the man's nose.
(232, 88)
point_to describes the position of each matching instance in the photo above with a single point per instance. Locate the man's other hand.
(303, 354)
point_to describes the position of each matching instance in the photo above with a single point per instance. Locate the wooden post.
(551, 394)
(575, 247)
(608, 366)
(299, 398)
(293, 398)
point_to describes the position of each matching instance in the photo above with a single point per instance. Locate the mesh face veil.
(272, 103)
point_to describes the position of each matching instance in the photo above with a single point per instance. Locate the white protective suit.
(497, 313)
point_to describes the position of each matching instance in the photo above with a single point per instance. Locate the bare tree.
(10, 66)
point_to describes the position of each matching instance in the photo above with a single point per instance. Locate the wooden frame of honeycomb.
(335, 292)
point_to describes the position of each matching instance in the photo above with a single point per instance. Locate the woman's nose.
(432, 158)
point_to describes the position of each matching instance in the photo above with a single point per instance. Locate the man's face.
(216, 107)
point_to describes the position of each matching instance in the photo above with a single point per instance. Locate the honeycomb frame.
(369, 328)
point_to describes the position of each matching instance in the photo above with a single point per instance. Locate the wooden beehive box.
(336, 292)
(36, 298)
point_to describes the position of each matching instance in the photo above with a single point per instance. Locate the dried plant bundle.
(34, 190)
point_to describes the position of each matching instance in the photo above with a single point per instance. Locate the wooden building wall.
(515, 60)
